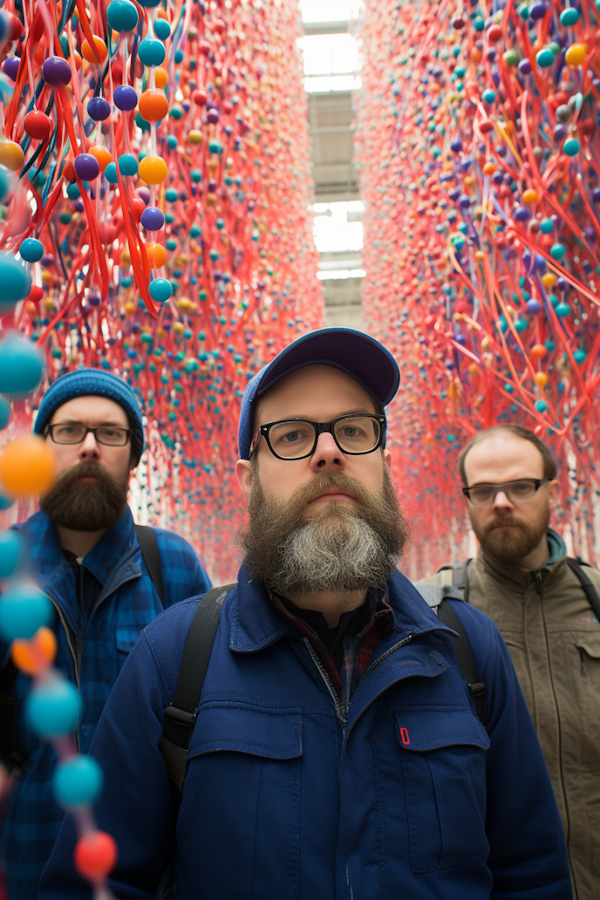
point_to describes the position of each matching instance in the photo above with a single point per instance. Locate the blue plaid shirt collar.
(49, 561)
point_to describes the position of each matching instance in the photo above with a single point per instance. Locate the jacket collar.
(256, 624)
(517, 574)
(49, 562)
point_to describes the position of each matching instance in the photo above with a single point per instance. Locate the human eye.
(522, 488)
(291, 436)
(481, 494)
(292, 433)
(66, 431)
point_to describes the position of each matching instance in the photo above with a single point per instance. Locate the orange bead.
(539, 351)
(549, 279)
(161, 77)
(27, 467)
(157, 255)
(153, 170)
(530, 196)
(153, 105)
(489, 168)
(102, 155)
(35, 655)
(541, 379)
(88, 53)
(11, 155)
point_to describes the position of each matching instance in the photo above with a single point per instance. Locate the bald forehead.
(314, 390)
(502, 456)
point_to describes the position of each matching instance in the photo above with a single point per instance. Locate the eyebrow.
(100, 424)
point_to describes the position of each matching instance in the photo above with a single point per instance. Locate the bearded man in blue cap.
(106, 580)
(333, 749)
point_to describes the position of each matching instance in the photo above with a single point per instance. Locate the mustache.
(317, 486)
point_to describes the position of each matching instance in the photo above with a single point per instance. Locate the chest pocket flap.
(270, 733)
(591, 644)
(423, 728)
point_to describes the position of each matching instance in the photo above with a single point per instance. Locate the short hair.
(520, 432)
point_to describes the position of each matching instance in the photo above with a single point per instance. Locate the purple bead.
(144, 194)
(560, 132)
(533, 307)
(183, 196)
(79, 207)
(498, 177)
(454, 194)
(94, 300)
(47, 259)
(540, 263)
(125, 97)
(11, 67)
(562, 284)
(152, 219)
(86, 166)
(212, 116)
(590, 233)
(596, 195)
(521, 214)
(538, 10)
(491, 53)
(524, 67)
(464, 201)
(460, 339)
(98, 109)
(56, 72)
(212, 186)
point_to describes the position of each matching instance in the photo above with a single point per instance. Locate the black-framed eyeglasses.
(76, 433)
(297, 438)
(519, 491)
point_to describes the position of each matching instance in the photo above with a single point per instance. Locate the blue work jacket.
(91, 655)
(290, 796)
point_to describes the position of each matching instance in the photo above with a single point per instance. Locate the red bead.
(494, 33)
(37, 125)
(95, 855)
(200, 97)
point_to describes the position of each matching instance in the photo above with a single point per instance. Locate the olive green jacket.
(554, 641)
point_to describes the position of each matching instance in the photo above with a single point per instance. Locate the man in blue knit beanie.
(106, 578)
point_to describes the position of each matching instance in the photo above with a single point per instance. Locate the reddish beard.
(512, 544)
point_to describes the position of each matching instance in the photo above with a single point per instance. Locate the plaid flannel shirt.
(347, 650)
(89, 652)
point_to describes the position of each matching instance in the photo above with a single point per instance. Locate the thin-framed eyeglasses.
(76, 433)
(297, 438)
(519, 491)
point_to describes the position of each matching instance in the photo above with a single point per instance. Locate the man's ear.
(243, 473)
(553, 494)
(387, 455)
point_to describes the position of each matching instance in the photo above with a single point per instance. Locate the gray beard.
(342, 549)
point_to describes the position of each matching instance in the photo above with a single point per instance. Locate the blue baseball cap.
(355, 353)
(85, 383)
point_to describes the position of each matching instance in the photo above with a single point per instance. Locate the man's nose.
(501, 501)
(327, 455)
(89, 448)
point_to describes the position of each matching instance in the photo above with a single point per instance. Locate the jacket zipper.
(325, 676)
(76, 660)
(342, 714)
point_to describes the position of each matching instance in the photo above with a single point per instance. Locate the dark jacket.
(90, 654)
(554, 641)
(289, 795)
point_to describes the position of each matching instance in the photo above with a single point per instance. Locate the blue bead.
(52, 708)
(162, 29)
(110, 173)
(31, 250)
(122, 15)
(15, 280)
(21, 366)
(22, 611)
(151, 52)
(128, 164)
(77, 781)
(160, 290)
(125, 97)
(11, 549)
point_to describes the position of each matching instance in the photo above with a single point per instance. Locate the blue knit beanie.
(85, 383)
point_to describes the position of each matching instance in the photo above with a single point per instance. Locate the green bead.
(545, 58)
(511, 57)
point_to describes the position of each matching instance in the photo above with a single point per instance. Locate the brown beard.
(342, 548)
(512, 546)
(85, 505)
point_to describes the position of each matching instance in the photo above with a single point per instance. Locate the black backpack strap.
(180, 715)
(151, 554)
(10, 754)
(464, 655)
(590, 591)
